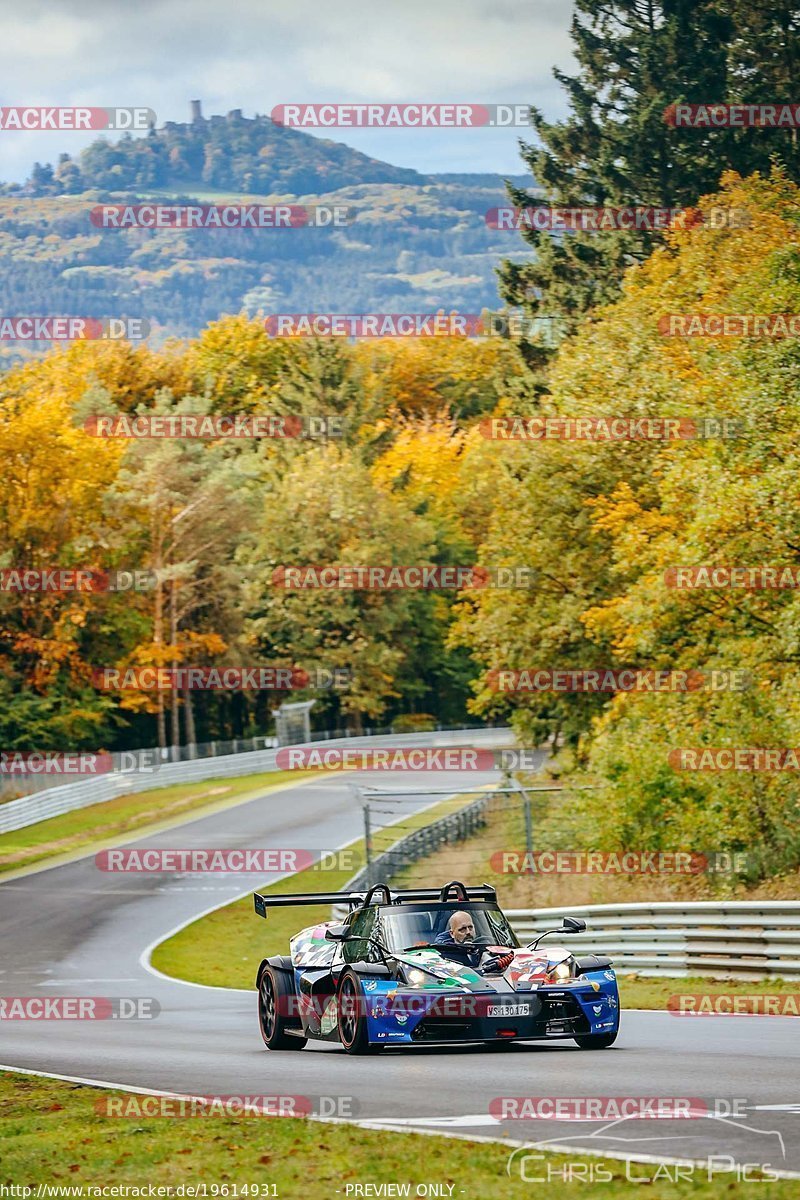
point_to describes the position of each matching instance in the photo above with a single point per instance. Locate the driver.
(461, 931)
(460, 928)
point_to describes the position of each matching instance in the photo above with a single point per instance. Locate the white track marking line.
(81, 979)
(390, 1127)
(447, 1122)
(147, 953)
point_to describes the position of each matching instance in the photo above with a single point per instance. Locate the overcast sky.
(254, 54)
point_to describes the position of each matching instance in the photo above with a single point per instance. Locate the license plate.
(508, 1010)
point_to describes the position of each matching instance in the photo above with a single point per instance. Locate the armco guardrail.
(53, 802)
(146, 759)
(735, 939)
(738, 938)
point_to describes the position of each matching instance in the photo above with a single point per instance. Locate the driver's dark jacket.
(473, 954)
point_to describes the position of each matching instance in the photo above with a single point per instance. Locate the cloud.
(254, 54)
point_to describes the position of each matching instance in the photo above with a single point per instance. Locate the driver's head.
(461, 927)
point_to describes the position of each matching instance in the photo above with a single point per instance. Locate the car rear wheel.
(597, 1041)
(353, 1016)
(275, 999)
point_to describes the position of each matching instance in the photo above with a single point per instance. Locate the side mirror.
(574, 925)
(337, 933)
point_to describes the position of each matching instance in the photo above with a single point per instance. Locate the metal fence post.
(526, 801)
(368, 843)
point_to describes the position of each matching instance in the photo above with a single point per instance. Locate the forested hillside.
(414, 479)
(414, 243)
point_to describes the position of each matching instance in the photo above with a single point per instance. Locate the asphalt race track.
(74, 930)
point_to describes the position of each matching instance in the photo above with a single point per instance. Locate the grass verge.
(53, 1134)
(225, 947)
(636, 991)
(97, 825)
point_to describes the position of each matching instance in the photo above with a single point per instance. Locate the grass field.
(53, 1134)
(99, 824)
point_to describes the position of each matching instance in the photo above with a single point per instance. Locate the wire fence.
(499, 820)
(535, 841)
(419, 843)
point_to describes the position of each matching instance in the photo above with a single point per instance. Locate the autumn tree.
(615, 148)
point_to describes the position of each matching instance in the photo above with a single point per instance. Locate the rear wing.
(299, 899)
(379, 893)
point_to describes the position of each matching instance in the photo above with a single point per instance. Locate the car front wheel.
(353, 1016)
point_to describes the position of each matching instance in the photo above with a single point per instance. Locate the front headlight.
(560, 971)
(415, 977)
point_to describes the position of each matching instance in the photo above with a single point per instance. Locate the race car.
(421, 967)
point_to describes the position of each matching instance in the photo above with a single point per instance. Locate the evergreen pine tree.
(615, 148)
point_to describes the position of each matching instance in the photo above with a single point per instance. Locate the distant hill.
(416, 243)
(234, 153)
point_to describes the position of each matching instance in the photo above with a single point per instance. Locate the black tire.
(352, 1016)
(597, 1041)
(275, 998)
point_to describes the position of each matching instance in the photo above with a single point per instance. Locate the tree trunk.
(175, 723)
(191, 733)
(158, 627)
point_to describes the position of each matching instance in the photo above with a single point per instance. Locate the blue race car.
(424, 967)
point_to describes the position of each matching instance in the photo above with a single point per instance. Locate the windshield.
(403, 927)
